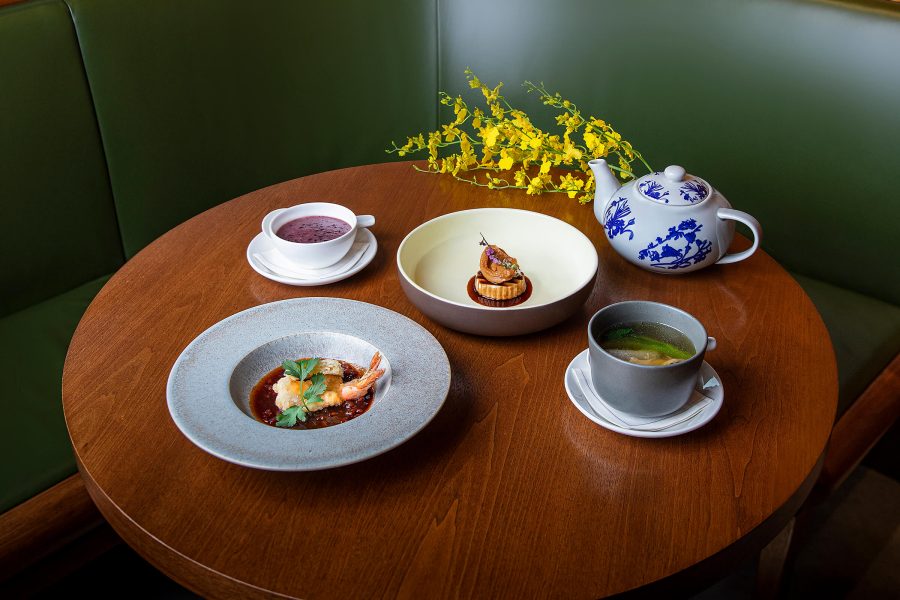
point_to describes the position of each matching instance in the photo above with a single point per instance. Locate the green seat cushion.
(865, 333)
(202, 101)
(33, 437)
(56, 207)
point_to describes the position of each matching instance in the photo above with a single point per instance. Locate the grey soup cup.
(643, 390)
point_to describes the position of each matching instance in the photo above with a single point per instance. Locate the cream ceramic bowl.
(438, 258)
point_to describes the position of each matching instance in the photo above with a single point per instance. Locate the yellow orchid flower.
(490, 136)
(510, 141)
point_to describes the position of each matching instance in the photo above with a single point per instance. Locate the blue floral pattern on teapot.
(693, 191)
(669, 221)
(691, 251)
(616, 213)
(654, 190)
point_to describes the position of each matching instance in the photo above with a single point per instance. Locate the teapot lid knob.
(674, 173)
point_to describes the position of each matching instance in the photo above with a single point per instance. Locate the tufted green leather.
(202, 101)
(56, 209)
(788, 107)
(34, 443)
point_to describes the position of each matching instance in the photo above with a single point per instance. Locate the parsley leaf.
(314, 392)
(300, 369)
(289, 417)
(291, 368)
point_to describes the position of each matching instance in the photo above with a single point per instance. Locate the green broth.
(653, 344)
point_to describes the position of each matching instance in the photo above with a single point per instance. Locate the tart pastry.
(507, 290)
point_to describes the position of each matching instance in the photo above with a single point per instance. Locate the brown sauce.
(262, 402)
(490, 302)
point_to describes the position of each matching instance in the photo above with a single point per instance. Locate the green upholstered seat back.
(202, 101)
(56, 208)
(790, 108)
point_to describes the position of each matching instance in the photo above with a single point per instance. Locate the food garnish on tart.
(499, 276)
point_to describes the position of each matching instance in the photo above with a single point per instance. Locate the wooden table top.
(509, 491)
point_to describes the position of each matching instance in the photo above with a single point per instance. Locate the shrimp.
(357, 388)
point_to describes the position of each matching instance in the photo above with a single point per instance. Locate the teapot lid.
(673, 187)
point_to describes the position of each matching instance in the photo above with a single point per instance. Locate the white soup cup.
(315, 255)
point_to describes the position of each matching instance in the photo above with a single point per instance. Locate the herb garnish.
(300, 370)
(492, 256)
(621, 332)
(625, 338)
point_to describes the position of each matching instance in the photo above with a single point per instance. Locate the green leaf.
(289, 417)
(621, 332)
(291, 368)
(300, 370)
(314, 392)
(307, 366)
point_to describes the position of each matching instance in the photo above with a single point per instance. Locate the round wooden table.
(509, 491)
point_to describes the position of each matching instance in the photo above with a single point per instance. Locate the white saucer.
(716, 394)
(261, 244)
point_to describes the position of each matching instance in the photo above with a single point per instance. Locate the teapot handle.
(753, 224)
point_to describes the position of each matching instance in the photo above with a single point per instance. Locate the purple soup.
(312, 229)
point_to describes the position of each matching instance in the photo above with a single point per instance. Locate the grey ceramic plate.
(209, 386)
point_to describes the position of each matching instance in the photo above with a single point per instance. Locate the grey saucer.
(209, 384)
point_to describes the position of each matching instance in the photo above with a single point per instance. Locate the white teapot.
(669, 221)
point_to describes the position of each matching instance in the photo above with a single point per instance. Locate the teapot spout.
(606, 185)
